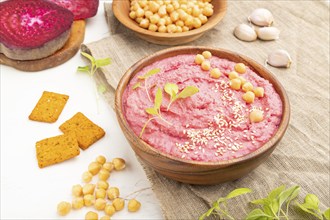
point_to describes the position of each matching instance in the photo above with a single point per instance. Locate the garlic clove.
(261, 17)
(268, 33)
(279, 58)
(245, 33)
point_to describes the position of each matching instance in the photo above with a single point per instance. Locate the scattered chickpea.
(100, 204)
(88, 189)
(256, 116)
(109, 210)
(206, 65)
(113, 193)
(119, 163)
(199, 59)
(94, 168)
(63, 208)
(215, 73)
(77, 190)
(100, 194)
(248, 97)
(91, 216)
(133, 205)
(104, 174)
(207, 54)
(78, 203)
(118, 203)
(105, 217)
(233, 75)
(247, 87)
(87, 177)
(235, 84)
(89, 200)
(101, 184)
(240, 68)
(259, 92)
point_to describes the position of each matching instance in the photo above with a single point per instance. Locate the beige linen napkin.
(302, 156)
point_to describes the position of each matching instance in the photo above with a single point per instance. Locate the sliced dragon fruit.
(33, 29)
(81, 9)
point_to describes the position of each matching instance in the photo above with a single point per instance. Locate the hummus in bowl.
(210, 135)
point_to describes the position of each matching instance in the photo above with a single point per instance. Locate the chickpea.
(89, 200)
(91, 216)
(133, 205)
(207, 54)
(256, 116)
(143, 3)
(189, 21)
(206, 65)
(77, 190)
(174, 16)
(176, 4)
(94, 168)
(247, 87)
(178, 29)
(196, 11)
(235, 84)
(154, 19)
(197, 23)
(203, 18)
(240, 68)
(199, 59)
(161, 22)
(135, 7)
(87, 177)
(132, 14)
(162, 29)
(109, 210)
(162, 11)
(201, 4)
(169, 8)
(243, 80)
(139, 13)
(233, 75)
(99, 204)
(208, 11)
(63, 208)
(185, 29)
(183, 7)
(144, 23)
(88, 189)
(148, 14)
(248, 97)
(113, 193)
(102, 185)
(168, 20)
(78, 203)
(105, 217)
(179, 23)
(104, 174)
(215, 73)
(153, 6)
(100, 194)
(259, 92)
(118, 203)
(138, 20)
(153, 27)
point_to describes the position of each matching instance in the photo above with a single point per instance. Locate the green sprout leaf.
(102, 62)
(238, 192)
(83, 68)
(276, 192)
(91, 58)
(187, 92)
(158, 99)
(326, 214)
(171, 89)
(306, 209)
(152, 111)
(94, 64)
(102, 88)
(312, 201)
(137, 85)
(257, 214)
(150, 73)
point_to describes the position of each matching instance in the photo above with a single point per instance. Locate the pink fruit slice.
(33, 29)
(81, 9)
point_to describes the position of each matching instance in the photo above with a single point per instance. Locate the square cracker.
(85, 130)
(49, 107)
(57, 149)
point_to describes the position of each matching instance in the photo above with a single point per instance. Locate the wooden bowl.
(191, 171)
(121, 9)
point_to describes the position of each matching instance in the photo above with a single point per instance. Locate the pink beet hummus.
(212, 125)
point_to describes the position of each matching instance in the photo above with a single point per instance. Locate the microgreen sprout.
(311, 206)
(219, 207)
(144, 78)
(173, 89)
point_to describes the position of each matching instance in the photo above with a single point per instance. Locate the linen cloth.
(302, 156)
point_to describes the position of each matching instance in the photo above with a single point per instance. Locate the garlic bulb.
(268, 33)
(245, 32)
(261, 17)
(279, 58)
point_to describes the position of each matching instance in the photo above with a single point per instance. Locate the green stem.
(145, 125)
(286, 217)
(146, 88)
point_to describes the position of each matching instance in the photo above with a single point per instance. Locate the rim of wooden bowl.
(220, 9)
(236, 57)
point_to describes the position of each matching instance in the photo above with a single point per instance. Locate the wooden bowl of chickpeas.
(169, 22)
(218, 133)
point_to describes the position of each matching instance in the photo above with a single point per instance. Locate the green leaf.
(276, 192)
(202, 217)
(102, 88)
(275, 207)
(238, 192)
(171, 89)
(326, 214)
(187, 92)
(88, 56)
(312, 201)
(293, 195)
(158, 98)
(136, 85)
(220, 200)
(83, 68)
(257, 214)
(150, 73)
(305, 209)
(152, 111)
(102, 62)
(259, 201)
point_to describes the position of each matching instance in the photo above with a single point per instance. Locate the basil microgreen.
(94, 64)
(326, 214)
(219, 207)
(172, 89)
(311, 206)
(145, 77)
